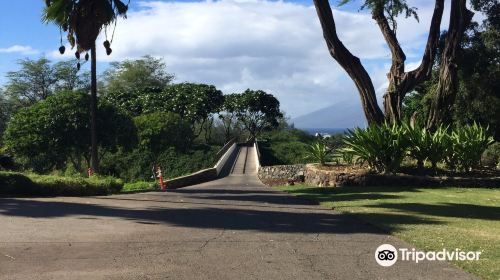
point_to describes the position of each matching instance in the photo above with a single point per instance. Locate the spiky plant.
(382, 147)
(318, 151)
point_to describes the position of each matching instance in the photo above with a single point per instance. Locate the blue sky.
(234, 44)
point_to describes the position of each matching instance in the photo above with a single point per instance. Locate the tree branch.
(424, 70)
(351, 64)
(398, 55)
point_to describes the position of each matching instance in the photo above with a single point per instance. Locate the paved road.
(232, 228)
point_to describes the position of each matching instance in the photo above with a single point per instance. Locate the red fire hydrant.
(160, 176)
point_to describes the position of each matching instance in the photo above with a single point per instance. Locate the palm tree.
(83, 20)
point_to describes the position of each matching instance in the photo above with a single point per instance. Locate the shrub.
(491, 157)
(467, 143)
(288, 146)
(382, 147)
(137, 165)
(12, 183)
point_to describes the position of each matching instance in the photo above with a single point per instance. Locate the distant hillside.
(340, 115)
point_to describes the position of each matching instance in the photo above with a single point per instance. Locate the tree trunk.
(441, 107)
(401, 82)
(93, 111)
(351, 64)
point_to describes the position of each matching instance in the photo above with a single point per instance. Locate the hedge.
(13, 183)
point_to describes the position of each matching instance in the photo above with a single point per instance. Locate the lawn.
(429, 218)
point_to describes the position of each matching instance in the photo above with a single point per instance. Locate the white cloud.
(259, 44)
(24, 50)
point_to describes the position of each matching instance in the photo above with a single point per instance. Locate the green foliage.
(284, 147)
(391, 9)
(477, 98)
(137, 165)
(424, 145)
(193, 102)
(47, 134)
(468, 144)
(38, 79)
(159, 131)
(257, 111)
(318, 151)
(382, 147)
(140, 186)
(12, 183)
(491, 157)
(130, 82)
(136, 75)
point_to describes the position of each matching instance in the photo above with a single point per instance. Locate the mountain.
(339, 115)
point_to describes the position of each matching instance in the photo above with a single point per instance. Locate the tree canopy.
(256, 110)
(56, 130)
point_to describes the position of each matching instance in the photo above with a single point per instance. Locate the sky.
(276, 46)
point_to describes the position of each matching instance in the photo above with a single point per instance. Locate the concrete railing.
(257, 154)
(204, 175)
(225, 157)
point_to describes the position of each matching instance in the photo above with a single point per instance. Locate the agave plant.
(382, 147)
(467, 144)
(318, 151)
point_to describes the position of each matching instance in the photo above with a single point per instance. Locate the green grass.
(141, 186)
(429, 218)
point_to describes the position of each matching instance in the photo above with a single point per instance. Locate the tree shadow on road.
(235, 218)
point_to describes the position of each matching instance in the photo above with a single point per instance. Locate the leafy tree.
(51, 132)
(34, 81)
(38, 79)
(127, 82)
(159, 131)
(83, 20)
(69, 78)
(228, 117)
(136, 75)
(257, 111)
(196, 103)
(385, 12)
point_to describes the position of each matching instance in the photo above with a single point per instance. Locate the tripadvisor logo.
(387, 255)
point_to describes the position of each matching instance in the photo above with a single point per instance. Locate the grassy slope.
(429, 218)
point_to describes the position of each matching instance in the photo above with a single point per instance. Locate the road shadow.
(282, 220)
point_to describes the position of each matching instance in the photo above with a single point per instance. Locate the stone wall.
(323, 178)
(283, 172)
(311, 175)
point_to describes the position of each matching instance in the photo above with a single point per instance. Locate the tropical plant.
(318, 151)
(83, 20)
(468, 144)
(382, 147)
(425, 145)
